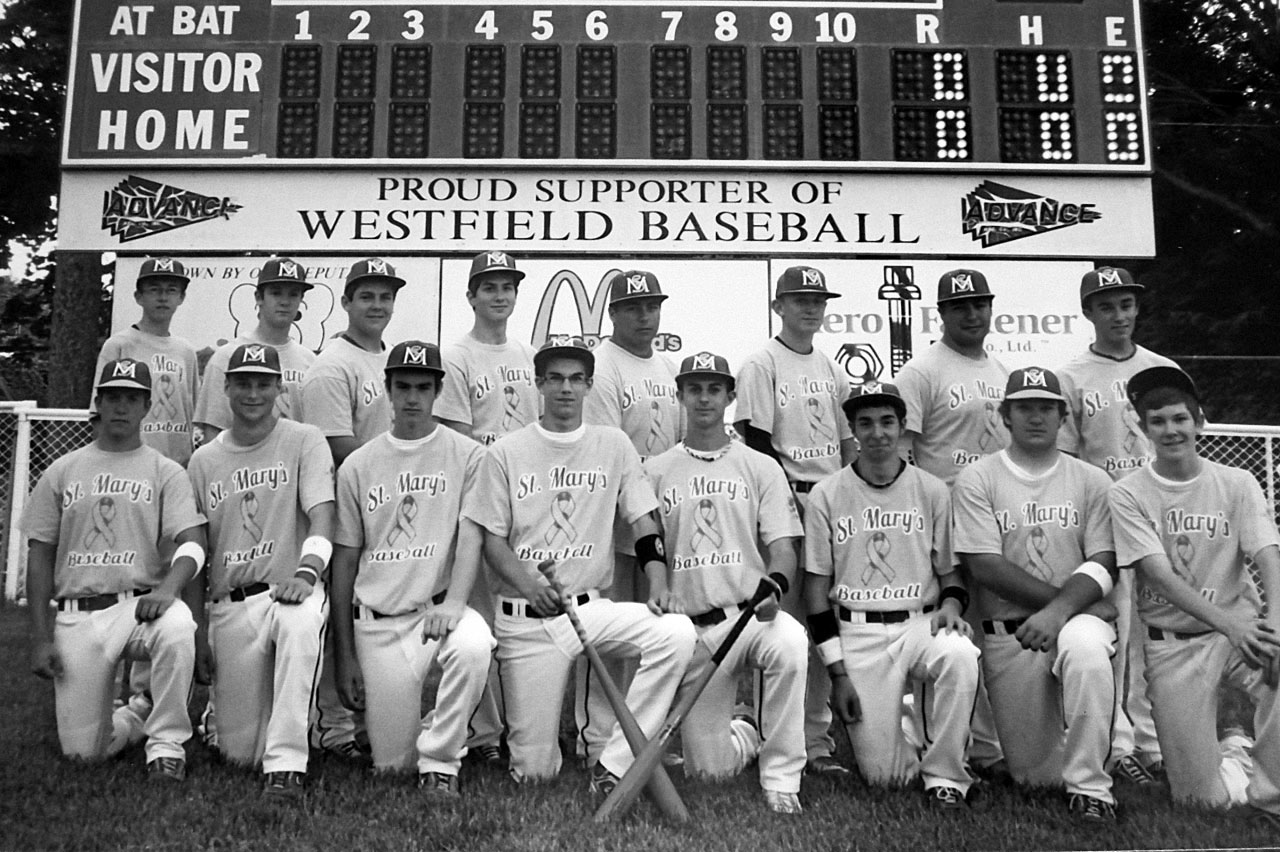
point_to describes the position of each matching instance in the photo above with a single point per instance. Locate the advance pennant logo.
(993, 214)
(137, 208)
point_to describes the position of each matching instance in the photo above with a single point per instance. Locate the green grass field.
(47, 802)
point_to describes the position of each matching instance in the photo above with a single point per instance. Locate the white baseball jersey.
(1102, 426)
(113, 517)
(715, 514)
(953, 406)
(1207, 527)
(256, 499)
(344, 392)
(796, 399)
(1047, 524)
(399, 502)
(555, 496)
(883, 547)
(489, 387)
(212, 406)
(175, 378)
(637, 395)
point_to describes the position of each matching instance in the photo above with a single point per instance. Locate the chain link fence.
(31, 438)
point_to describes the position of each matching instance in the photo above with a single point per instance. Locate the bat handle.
(547, 569)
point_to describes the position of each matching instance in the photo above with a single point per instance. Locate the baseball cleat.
(439, 784)
(1129, 768)
(944, 798)
(827, 766)
(488, 754)
(602, 781)
(167, 769)
(783, 803)
(349, 750)
(283, 785)
(1090, 809)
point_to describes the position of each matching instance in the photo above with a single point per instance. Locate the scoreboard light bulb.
(596, 72)
(783, 132)
(482, 130)
(300, 71)
(357, 72)
(297, 130)
(837, 74)
(780, 74)
(411, 72)
(409, 132)
(726, 131)
(838, 131)
(669, 131)
(540, 72)
(539, 130)
(486, 72)
(726, 73)
(596, 131)
(353, 129)
(669, 77)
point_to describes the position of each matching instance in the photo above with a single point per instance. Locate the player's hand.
(1040, 631)
(664, 602)
(152, 606)
(350, 684)
(544, 601)
(441, 619)
(767, 609)
(46, 661)
(204, 659)
(292, 591)
(845, 701)
(1256, 641)
(1103, 609)
(946, 619)
(659, 594)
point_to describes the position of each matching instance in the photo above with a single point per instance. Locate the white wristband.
(193, 550)
(830, 651)
(307, 569)
(319, 547)
(1098, 574)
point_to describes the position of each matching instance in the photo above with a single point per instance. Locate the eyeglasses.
(577, 380)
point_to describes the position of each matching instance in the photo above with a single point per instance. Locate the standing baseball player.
(789, 398)
(952, 391)
(488, 391)
(1033, 530)
(344, 393)
(114, 537)
(281, 287)
(1103, 429)
(550, 492)
(1189, 526)
(266, 487)
(718, 500)
(403, 571)
(886, 605)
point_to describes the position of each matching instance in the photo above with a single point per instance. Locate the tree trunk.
(77, 301)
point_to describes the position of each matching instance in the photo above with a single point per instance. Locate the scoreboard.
(1054, 86)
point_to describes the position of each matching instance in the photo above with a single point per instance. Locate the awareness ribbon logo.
(878, 547)
(705, 535)
(1037, 548)
(1135, 443)
(510, 409)
(403, 530)
(103, 513)
(819, 431)
(654, 438)
(1183, 553)
(991, 440)
(562, 507)
(165, 406)
(248, 514)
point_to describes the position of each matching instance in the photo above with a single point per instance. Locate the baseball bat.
(660, 788)
(629, 787)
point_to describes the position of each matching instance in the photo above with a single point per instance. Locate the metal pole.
(15, 561)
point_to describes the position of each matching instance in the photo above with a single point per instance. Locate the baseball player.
(886, 605)
(788, 407)
(282, 285)
(114, 537)
(266, 487)
(550, 492)
(344, 394)
(403, 571)
(488, 391)
(1033, 531)
(1103, 429)
(717, 500)
(952, 391)
(1189, 525)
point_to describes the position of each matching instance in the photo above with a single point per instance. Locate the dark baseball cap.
(283, 270)
(163, 267)
(705, 364)
(802, 279)
(415, 355)
(493, 261)
(564, 346)
(634, 284)
(254, 358)
(125, 373)
(372, 269)
(1106, 278)
(1145, 381)
(963, 284)
(872, 394)
(1033, 383)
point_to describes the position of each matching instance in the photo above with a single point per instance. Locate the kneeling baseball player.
(404, 566)
(886, 605)
(1189, 525)
(266, 487)
(718, 498)
(1033, 530)
(114, 537)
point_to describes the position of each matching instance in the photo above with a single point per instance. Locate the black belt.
(355, 608)
(248, 591)
(508, 609)
(1011, 626)
(714, 616)
(1157, 634)
(892, 616)
(802, 487)
(95, 603)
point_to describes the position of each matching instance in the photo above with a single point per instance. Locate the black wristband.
(822, 626)
(649, 549)
(961, 596)
(782, 581)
